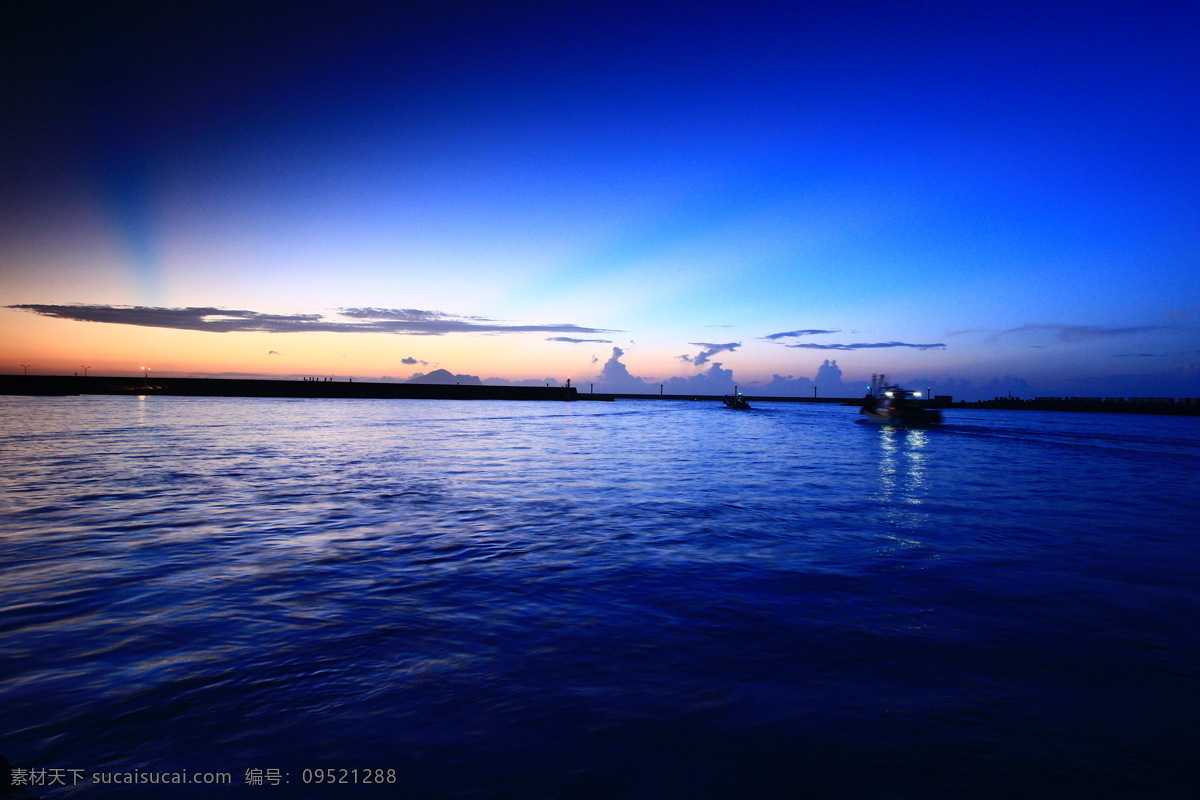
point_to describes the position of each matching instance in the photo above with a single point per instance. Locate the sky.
(979, 198)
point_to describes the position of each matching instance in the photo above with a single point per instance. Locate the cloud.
(708, 352)
(866, 346)
(791, 334)
(272, 352)
(785, 386)
(615, 376)
(578, 341)
(1135, 355)
(775, 337)
(349, 320)
(411, 360)
(444, 376)
(715, 380)
(405, 315)
(201, 319)
(525, 382)
(829, 378)
(1080, 333)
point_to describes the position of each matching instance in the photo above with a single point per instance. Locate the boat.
(888, 403)
(735, 400)
(143, 389)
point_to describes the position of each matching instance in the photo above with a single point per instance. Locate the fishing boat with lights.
(888, 403)
(736, 400)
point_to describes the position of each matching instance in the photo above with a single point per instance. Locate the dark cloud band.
(792, 334)
(1079, 333)
(352, 320)
(709, 351)
(866, 346)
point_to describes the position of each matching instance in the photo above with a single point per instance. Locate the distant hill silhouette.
(445, 376)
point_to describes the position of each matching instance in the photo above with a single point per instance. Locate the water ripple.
(595, 599)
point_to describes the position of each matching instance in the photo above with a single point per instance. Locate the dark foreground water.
(576, 600)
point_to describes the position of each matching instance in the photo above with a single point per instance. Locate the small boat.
(890, 404)
(735, 400)
(143, 389)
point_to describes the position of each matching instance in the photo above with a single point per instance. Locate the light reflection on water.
(901, 464)
(525, 599)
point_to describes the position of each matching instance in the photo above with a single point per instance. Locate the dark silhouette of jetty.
(50, 385)
(60, 385)
(1186, 406)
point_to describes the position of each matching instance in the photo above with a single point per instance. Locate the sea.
(274, 598)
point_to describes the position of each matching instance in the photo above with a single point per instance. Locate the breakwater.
(716, 398)
(46, 385)
(1187, 406)
(232, 387)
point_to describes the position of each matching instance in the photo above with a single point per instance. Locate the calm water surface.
(632, 599)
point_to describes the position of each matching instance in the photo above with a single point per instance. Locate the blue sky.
(1017, 184)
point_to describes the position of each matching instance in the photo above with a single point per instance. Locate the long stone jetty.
(239, 387)
(1183, 406)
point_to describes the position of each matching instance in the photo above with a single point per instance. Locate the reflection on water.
(902, 476)
(902, 464)
(598, 599)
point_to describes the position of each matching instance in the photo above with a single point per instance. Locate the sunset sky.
(985, 197)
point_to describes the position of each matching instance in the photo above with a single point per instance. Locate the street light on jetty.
(85, 369)
(26, 368)
(146, 377)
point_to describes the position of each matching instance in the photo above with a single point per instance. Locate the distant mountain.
(445, 376)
